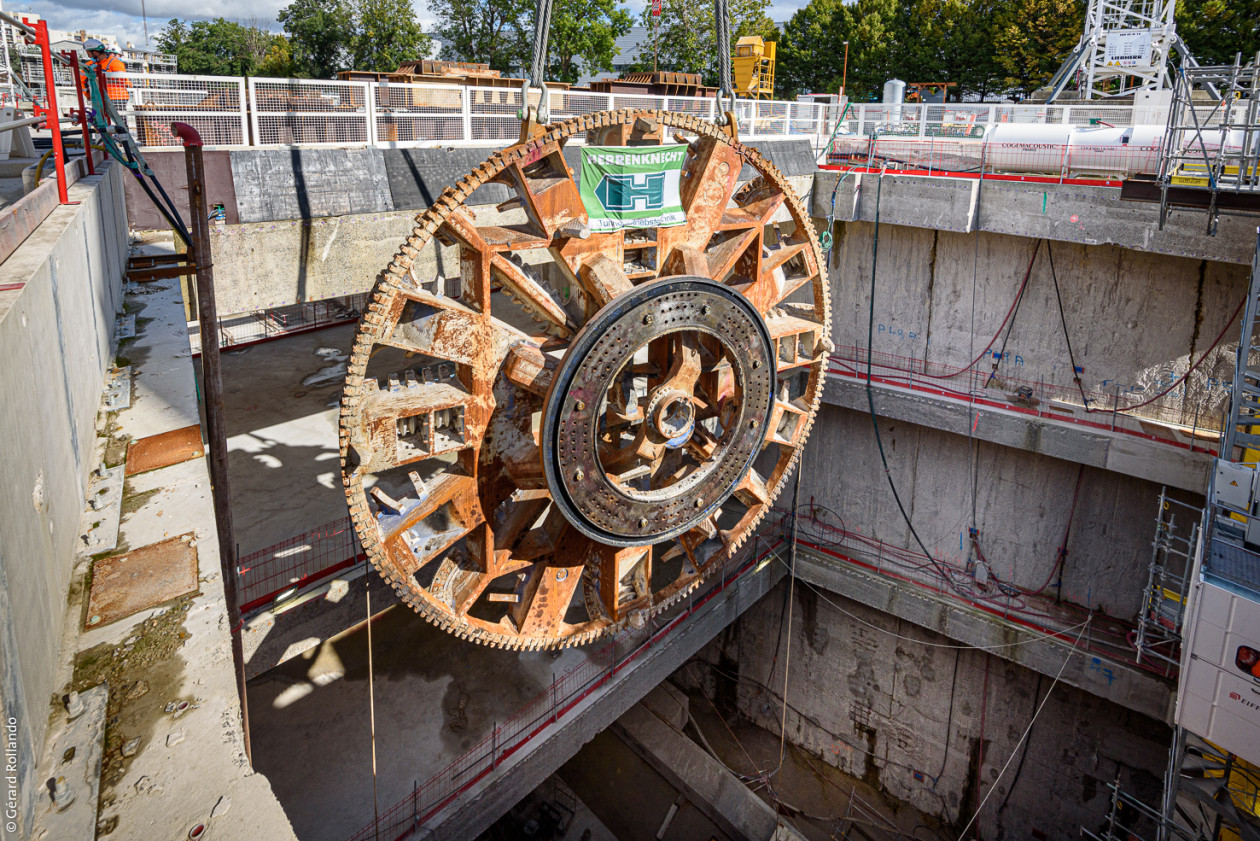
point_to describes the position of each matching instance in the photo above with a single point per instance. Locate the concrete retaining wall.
(1136, 319)
(932, 724)
(56, 334)
(1023, 501)
(281, 184)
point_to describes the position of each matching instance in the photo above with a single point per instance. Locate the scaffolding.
(1125, 48)
(1211, 153)
(1159, 625)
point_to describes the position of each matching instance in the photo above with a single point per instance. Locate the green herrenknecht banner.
(628, 187)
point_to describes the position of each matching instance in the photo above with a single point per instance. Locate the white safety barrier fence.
(231, 111)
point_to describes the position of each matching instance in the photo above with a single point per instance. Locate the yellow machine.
(754, 68)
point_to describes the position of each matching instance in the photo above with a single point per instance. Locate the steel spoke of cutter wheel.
(570, 431)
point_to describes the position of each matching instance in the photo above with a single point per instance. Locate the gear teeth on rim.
(399, 276)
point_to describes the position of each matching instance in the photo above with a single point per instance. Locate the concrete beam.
(503, 787)
(708, 784)
(1123, 684)
(1113, 450)
(1060, 212)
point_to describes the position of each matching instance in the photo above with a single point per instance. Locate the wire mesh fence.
(288, 112)
(214, 105)
(248, 328)
(296, 562)
(233, 111)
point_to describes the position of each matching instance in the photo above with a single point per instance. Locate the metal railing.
(233, 111)
(550, 706)
(263, 325)
(294, 563)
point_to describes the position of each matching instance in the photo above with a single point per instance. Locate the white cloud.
(122, 19)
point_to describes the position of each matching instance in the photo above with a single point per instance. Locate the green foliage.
(216, 47)
(811, 52)
(497, 32)
(327, 36)
(278, 61)
(982, 46)
(951, 41)
(586, 30)
(386, 34)
(1217, 30)
(320, 32)
(688, 34)
(1032, 38)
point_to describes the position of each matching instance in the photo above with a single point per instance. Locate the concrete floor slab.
(167, 394)
(282, 435)
(436, 696)
(170, 669)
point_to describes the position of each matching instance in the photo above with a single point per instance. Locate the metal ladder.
(1244, 404)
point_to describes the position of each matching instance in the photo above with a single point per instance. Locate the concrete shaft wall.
(56, 333)
(932, 723)
(1023, 504)
(311, 224)
(1136, 320)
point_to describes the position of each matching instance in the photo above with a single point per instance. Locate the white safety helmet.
(92, 45)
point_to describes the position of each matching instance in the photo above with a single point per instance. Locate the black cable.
(168, 211)
(870, 400)
(949, 721)
(1027, 746)
(1076, 372)
(1011, 326)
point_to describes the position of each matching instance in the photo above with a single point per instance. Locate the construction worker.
(105, 58)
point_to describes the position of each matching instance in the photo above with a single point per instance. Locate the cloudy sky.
(123, 17)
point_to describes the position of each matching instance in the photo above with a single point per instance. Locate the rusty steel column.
(212, 391)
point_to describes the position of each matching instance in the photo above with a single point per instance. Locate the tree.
(1033, 37)
(809, 58)
(216, 47)
(586, 30)
(321, 33)
(1217, 30)
(811, 52)
(688, 34)
(386, 34)
(495, 32)
(950, 41)
(278, 62)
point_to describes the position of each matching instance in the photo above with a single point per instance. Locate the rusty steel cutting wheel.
(572, 430)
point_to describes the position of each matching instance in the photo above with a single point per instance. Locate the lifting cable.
(870, 401)
(726, 90)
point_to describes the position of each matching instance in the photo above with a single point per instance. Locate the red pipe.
(73, 60)
(53, 120)
(186, 133)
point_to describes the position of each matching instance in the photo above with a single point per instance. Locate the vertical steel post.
(73, 60)
(50, 92)
(212, 389)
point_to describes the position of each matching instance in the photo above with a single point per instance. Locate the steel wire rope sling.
(621, 449)
(536, 78)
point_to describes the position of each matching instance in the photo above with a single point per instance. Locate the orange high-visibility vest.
(115, 89)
